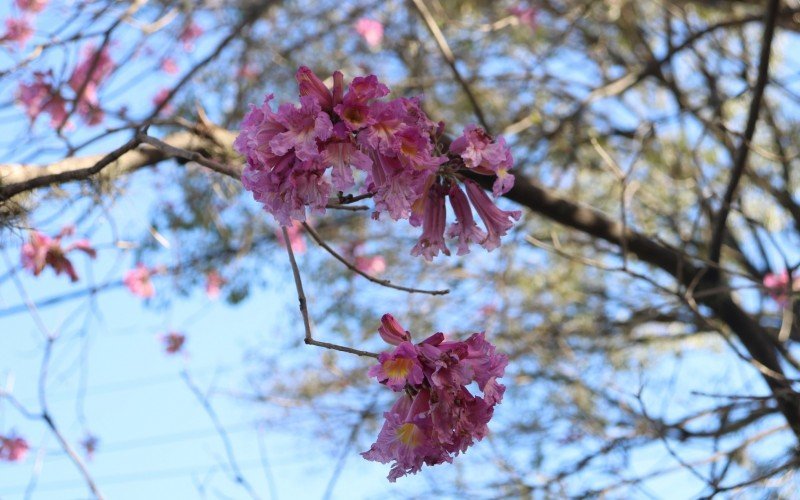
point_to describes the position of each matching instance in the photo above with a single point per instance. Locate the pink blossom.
(479, 152)
(190, 32)
(295, 232)
(304, 127)
(18, 30)
(432, 240)
(391, 331)
(777, 286)
(34, 6)
(464, 228)
(41, 251)
(248, 72)
(169, 66)
(398, 368)
(214, 284)
(436, 417)
(372, 265)
(173, 342)
(497, 221)
(371, 30)
(13, 448)
(290, 151)
(40, 96)
(86, 79)
(89, 445)
(160, 98)
(525, 15)
(138, 281)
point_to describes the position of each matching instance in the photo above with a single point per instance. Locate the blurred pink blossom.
(13, 448)
(18, 30)
(173, 342)
(160, 98)
(86, 79)
(190, 32)
(778, 288)
(34, 6)
(525, 15)
(214, 283)
(169, 66)
(295, 232)
(138, 281)
(89, 445)
(42, 250)
(40, 96)
(371, 30)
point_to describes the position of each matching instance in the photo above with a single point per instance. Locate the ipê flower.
(40, 96)
(497, 221)
(371, 30)
(348, 137)
(34, 6)
(777, 286)
(13, 448)
(173, 342)
(436, 417)
(18, 30)
(214, 284)
(42, 251)
(139, 282)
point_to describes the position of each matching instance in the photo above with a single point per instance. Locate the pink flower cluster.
(13, 448)
(392, 144)
(41, 95)
(42, 251)
(436, 416)
(214, 284)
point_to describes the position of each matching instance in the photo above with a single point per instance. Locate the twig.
(740, 158)
(301, 297)
(358, 271)
(444, 48)
(212, 414)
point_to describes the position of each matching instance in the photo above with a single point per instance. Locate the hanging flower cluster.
(436, 416)
(395, 146)
(13, 448)
(777, 286)
(42, 251)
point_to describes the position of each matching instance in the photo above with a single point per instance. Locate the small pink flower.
(525, 15)
(392, 332)
(778, 288)
(169, 66)
(89, 445)
(160, 98)
(86, 79)
(42, 251)
(464, 228)
(13, 448)
(373, 265)
(18, 30)
(34, 6)
(398, 368)
(371, 30)
(295, 232)
(497, 221)
(214, 284)
(486, 156)
(138, 281)
(432, 240)
(248, 72)
(190, 32)
(40, 96)
(304, 127)
(173, 342)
